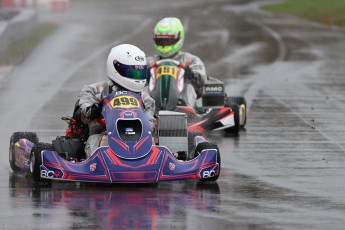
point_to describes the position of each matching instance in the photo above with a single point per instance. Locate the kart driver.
(126, 69)
(168, 36)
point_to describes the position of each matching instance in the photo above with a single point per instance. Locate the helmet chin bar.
(137, 85)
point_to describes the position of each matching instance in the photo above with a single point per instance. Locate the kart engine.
(172, 131)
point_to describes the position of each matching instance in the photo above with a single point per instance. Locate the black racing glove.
(93, 111)
(194, 79)
(188, 73)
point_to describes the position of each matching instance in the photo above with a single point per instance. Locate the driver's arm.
(150, 107)
(199, 76)
(89, 100)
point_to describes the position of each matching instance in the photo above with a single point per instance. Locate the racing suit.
(196, 79)
(94, 94)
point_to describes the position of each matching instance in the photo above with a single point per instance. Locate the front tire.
(13, 140)
(242, 102)
(191, 143)
(36, 161)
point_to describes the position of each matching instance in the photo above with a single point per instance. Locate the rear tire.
(36, 161)
(14, 139)
(208, 145)
(236, 128)
(241, 101)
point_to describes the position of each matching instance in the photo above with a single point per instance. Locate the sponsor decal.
(208, 173)
(121, 93)
(129, 131)
(128, 114)
(47, 174)
(171, 166)
(26, 163)
(213, 89)
(139, 58)
(93, 167)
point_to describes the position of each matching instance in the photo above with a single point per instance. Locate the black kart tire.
(36, 161)
(208, 145)
(191, 137)
(14, 139)
(236, 128)
(242, 102)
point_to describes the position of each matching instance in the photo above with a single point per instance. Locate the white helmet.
(126, 66)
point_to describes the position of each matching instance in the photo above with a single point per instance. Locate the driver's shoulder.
(186, 57)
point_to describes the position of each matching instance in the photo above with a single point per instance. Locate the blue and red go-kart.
(217, 110)
(129, 151)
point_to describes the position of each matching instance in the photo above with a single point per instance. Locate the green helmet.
(168, 36)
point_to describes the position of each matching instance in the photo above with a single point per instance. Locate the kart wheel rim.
(32, 162)
(243, 114)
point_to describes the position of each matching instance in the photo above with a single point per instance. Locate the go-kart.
(217, 111)
(129, 151)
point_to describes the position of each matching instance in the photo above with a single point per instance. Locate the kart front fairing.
(105, 166)
(131, 155)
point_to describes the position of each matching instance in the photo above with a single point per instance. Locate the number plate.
(167, 70)
(124, 102)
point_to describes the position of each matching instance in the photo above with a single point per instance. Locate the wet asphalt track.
(285, 171)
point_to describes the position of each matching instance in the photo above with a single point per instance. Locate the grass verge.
(22, 47)
(330, 12)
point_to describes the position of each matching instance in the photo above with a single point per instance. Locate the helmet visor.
(137, 72)
(166, 40)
